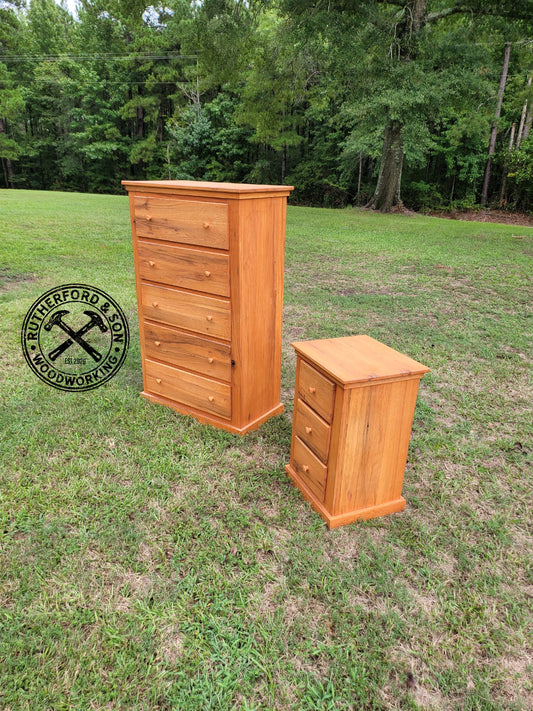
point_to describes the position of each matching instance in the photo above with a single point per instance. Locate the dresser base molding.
(205, 419)
(343, 519)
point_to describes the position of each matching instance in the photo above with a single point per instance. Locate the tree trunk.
(527, 126)
(360, 176)
(387, 194)
(6, 162)
(505, 164)
(140, 122)
(169, 162)
(452, 190)
(5, 173)
(494, 128)
(523, 118)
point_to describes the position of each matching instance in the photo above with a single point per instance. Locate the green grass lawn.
(149, 562)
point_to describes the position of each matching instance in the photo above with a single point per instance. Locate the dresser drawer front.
(186, 221)
(184, 267)
(193, 312)
(312, 429)
(316, 390)
(187, 351)
(188, 389)
(309, 468)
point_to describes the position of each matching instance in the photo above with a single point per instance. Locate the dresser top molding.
(191, 188)
(357, 360)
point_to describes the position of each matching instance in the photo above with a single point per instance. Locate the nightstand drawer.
(187, 221)
(187, 351)
(310, 469)
(188, 389)
(184, 267)
(317, 391)
(312, 429)
(193, 312)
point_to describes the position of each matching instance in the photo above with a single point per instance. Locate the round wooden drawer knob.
(151, 263)
(211, 398)
(155, 304)
(210, 360)
(305, 468)
(148, 217)
(158, 343)
(312, 389)
(209, 318)
(158, 380)
(205, 225)
(207, 273)
(308, 429)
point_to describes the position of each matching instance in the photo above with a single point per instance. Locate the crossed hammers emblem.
(95, 320)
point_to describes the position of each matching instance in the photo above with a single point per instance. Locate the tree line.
(425, 104)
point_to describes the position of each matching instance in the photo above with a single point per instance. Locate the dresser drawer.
(309, 468)
(187, 221)
(187, 351)
(312, 429)
(188, 389)
(184, 267)
(193, 312)
(316, 390)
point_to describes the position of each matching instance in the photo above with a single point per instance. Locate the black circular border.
(91, 386)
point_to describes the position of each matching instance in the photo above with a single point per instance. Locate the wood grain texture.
(257, 240)
(188, 388)
(184, 221)
(316, 390)
(309, 468)
(193, 312)
(358, 359)
(334, 521)
(371, 422)
(209, 262)
(205, 189)
(194, 269)
(187, 350)
(375, 429)
(312, 430)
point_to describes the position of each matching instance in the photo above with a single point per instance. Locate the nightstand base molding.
(345, 518)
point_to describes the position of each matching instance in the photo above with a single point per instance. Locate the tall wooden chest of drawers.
(353, 412)
(209, 261)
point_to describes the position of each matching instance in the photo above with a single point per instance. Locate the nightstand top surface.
(358, 359)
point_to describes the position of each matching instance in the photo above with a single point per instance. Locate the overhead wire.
(91, 57)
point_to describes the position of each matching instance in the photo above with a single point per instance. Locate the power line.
(29, 82)
(92, 57)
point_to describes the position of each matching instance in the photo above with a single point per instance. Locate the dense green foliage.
(383, 102)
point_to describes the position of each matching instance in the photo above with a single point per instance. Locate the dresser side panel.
(257, 246)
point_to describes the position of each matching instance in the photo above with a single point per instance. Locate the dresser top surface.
(205, 188)
(358, 359)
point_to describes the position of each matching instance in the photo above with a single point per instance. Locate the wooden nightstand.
(353, 412)
(209, 271)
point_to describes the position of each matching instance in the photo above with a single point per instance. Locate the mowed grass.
(149, 562)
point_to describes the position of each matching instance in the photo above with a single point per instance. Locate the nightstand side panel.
(370, 465)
